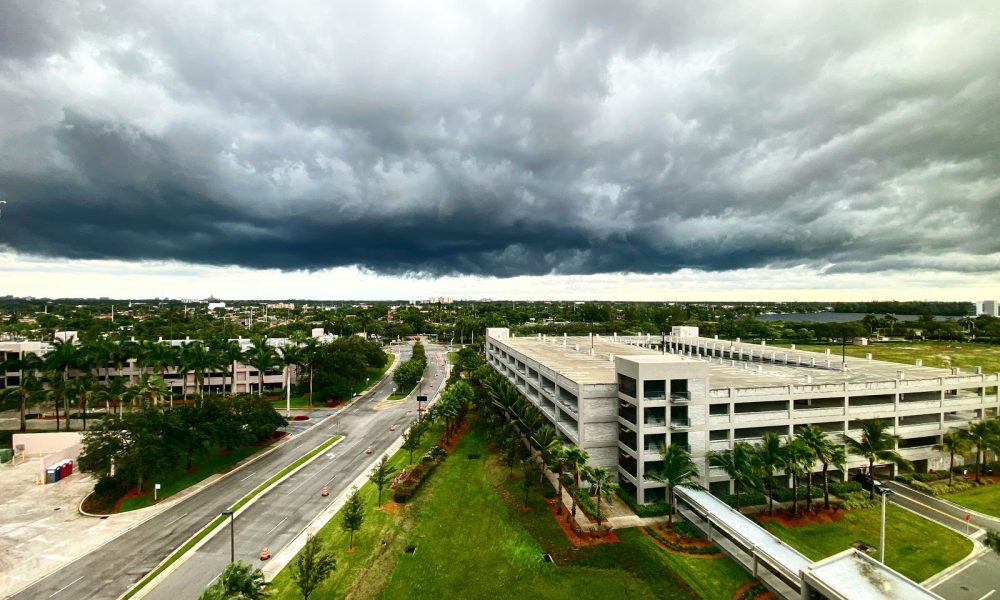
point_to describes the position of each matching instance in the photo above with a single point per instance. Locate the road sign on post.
(156, 488)
(421, 400)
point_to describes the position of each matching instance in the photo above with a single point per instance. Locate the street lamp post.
(885, 492)
(232, 536)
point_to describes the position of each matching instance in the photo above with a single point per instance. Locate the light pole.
(232, 536)
(885, 492)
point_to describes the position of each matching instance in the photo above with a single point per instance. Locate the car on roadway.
(867, 482)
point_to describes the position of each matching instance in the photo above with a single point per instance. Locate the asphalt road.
(113, 568)
(979, 579)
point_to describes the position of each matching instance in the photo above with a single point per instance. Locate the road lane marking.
(298, 486)
(986, 595)
(66, 586)
(276, 526)
(953, 575)
(175, 520)
(249, 476)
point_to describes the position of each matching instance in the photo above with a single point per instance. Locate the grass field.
(914, 546)
(473, 540)
(453, 358)
(984, 499)
(965, 355)
(208, 463)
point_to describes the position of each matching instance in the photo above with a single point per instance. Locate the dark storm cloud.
(504, 140)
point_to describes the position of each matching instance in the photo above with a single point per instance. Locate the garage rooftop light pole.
(881, 542)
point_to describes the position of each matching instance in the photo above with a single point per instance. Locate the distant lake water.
(833, 317)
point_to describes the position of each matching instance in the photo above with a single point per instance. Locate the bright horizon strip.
(23, 276)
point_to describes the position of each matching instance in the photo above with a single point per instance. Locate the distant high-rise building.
(988, 307)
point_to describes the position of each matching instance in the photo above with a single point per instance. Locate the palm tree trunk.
(58, 401)
(770, 498)
(24, 408)
(310, 385)
(871, 474)
(795, 495)
(559, 506)
(809, 491)
(826, 487)
(951, 470)
(260, 388)
(670, 505)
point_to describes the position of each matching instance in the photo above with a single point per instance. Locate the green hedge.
(679, 547)
(904, 478)
(785, 494)
(653, 509)
(839, 488)
(746, 499)
(408, 488)
(586, 503)
(920, 486)
(856, 500)
(936, 475)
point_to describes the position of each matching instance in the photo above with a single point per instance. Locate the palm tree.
(798, 459)
(559, 462)
(290, 356)
(578, 458)
(954, 441)
(821, 447)
(262, 357)
(875, 443)
(196, 358)
(890, 320)
(678, 469)
(229, 353)
(153, 389)
(982, 435)
(27, 364)
(63, 356)
(769, 458)
(740, 463)
(605, 487)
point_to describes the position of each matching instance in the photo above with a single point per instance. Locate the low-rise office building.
(621, 398)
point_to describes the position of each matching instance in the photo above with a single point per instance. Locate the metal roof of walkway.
(850, 575)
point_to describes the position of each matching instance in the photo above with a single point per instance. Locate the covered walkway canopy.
(850, 575)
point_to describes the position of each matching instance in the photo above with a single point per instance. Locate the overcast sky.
(652, 150)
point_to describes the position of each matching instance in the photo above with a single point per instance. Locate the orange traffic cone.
(326, 491)
(265, 554)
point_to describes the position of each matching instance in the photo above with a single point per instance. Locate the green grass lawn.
(965, 355)
(453, 358)
(914, 546)
(474, 541)
(208, 463)
(984, 499)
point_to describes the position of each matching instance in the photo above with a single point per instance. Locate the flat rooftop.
(592, 363)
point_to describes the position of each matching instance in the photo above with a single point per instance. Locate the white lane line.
(305, 481)
(952, 576)
(249, 476)
(66, 586)
(986, 595)
(276, 526)
(175, 520)
(213, 581)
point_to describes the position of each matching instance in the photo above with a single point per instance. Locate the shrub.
(839, 488)
(936, 475)
(923, 487)
(679, 547)
(752, 592)
(856, 500)
(746, 499)
(586, 503)
(567, 480)
(548, 490)
(685, 528)
(653, 509)
(903, 478)
(406, 489)
(785, 494)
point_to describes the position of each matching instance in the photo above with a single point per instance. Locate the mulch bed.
(455, 437)
(391, 507)
(575, 538)
(673, 537)
(818, 516)
(766, 595)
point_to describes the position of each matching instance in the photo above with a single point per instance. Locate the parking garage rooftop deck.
(560, 354)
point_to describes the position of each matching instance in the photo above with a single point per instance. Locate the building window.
(626, 385)
(718, 409)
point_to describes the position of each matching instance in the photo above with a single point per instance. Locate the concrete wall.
(41, 444)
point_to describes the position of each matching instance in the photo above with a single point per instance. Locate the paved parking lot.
(41, 528)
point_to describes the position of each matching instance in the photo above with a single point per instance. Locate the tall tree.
(678, 469)
(953, 442)
(413, 435)
(354, 516)
(798, 459)
(381, 475)
(982, 435)
(262, 357)
(530, 472)
(740, 463)
(875, 444)
(312, 566)
(770, 458)
(28, 364)
(821, 447)
(604, 485)
(577, 458)
(558, 462)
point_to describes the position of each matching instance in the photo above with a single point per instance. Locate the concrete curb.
(198, 487)
(950, 503)
(285, 556)
(211, 534)
(978, 550)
